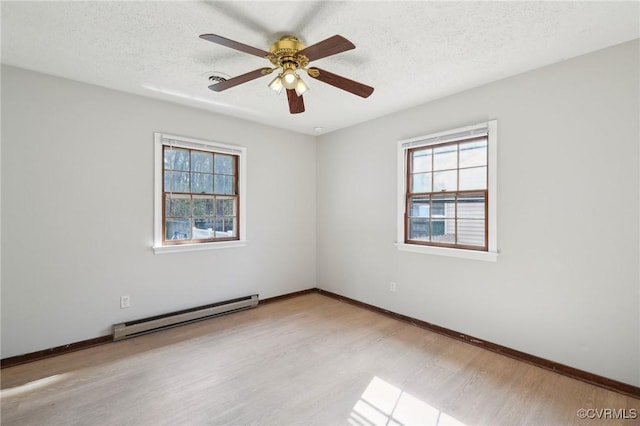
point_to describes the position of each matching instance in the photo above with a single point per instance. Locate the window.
(199, 194)
(447, 194)
(446, 202)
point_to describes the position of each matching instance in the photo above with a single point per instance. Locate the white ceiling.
(411, 52)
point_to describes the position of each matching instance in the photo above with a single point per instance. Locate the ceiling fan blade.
(232, 82)
(342, 83)
(296, 103)
(328, 47)
(235, 45)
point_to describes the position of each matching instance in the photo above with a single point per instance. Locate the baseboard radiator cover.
(134, 328)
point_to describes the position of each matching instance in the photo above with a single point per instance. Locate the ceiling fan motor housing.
(284, 53)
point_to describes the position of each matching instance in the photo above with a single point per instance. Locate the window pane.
(223, 185)
(225, 227)
(471, 206)
(445, 157)
(421, 161)
(443, 230)
(474, 178)
(176, 181)
(471, 232)
(419, 229)
(176, 159)
(166, 158)
(225, 207)
(201, 183)
(445, 181)
(419, 207)
(224, 164)
(166, 184)
(178, 206)
(421, 182)
(203, 224)
(443, 206)
(231, 226)
(178, 229)
(203, 206)
(203, 228)
(201, 161)
(473, 153)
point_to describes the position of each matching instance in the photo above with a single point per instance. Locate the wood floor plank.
(304, 360)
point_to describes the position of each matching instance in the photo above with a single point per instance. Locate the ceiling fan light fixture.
(289, 79)
(301, 87)
(276, 84)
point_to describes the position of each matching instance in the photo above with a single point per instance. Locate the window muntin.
(447, 196)
(200, 196)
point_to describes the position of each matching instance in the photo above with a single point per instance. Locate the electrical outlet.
(392, 287)
(125, 302)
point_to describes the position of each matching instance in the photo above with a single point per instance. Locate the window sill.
(487, 256)
(180, 248)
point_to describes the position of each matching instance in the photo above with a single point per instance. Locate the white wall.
(77, 218)
(566, 284)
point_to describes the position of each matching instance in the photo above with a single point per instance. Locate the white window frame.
(164, 139)
(490, 129)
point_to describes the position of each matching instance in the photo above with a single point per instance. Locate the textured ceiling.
(411, 51)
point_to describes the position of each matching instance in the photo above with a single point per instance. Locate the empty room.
(320, 212)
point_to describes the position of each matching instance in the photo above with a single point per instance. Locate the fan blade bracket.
(313, 72)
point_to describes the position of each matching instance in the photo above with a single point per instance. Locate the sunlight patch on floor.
(31, 386)
(385, 404)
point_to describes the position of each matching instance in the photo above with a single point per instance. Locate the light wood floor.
(305, 360)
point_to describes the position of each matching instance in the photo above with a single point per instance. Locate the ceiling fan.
(289, 55)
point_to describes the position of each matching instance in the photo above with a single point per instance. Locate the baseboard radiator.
(160, 322)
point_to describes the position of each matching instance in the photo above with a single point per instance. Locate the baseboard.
(565, 370)
(51, 352)
(287, 296)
